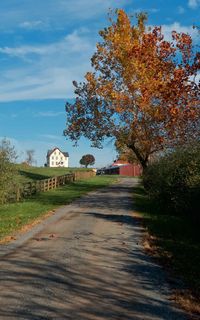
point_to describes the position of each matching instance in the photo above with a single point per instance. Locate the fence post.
(56, 181)
(18, 194)
(48, 184)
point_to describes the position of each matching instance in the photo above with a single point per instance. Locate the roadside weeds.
(161, 243)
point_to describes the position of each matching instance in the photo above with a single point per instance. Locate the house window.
(56, 158)
(52, 157)
(52, 163)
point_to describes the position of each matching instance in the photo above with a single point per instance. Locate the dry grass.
(184, 297)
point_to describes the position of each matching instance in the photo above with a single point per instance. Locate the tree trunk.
(143, 161)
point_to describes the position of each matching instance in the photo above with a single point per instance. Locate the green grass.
(14, 216)
(26, 173)
(177, 238)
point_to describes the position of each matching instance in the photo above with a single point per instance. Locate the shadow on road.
(94, 275)
(62, 291)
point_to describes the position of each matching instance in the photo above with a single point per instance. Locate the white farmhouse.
(57, 158)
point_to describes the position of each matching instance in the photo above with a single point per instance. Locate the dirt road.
(85, 263)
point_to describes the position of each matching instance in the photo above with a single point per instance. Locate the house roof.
(49, 152)
(66, 154)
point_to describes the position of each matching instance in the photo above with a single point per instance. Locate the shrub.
(174, 180)
(7, 169)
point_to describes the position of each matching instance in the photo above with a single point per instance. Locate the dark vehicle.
(100, 171)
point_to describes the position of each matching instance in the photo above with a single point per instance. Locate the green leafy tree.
(87, 160)
(7, 168)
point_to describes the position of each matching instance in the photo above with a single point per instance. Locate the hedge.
(174, 181)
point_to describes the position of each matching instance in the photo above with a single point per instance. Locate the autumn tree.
(124, 153)
(143, 90)
(87, 160)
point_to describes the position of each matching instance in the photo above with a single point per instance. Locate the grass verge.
(176, 242)
(13, 217)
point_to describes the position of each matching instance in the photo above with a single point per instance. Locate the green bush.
(174, 181)
(7, 169)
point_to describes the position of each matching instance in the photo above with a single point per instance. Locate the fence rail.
(29, 189)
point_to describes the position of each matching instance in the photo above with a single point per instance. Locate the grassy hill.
(27, 173)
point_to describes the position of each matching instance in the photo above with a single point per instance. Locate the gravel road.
(86, 262)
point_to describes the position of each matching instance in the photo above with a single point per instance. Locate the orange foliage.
(142, 90)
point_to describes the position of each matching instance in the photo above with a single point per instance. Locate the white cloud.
(51, 83)
(22, 51)
(47, 71)
(49, 114)
(193, 4)
(150, 10)
(197, 78)
(168, 28)
(37, 24)
(50, 136)
(181, 10)
(54, 14)
(50, 76)
(52, 73)
(72, 43)
(14, 115)
(153, 10)
(84, 9)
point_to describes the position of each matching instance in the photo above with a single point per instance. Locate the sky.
(44, 46)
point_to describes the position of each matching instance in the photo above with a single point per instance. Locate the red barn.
(124, 169)
(133, 170)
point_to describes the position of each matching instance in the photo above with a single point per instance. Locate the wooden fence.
(31, 188)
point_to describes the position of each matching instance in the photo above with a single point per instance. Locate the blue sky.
(44, 46)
